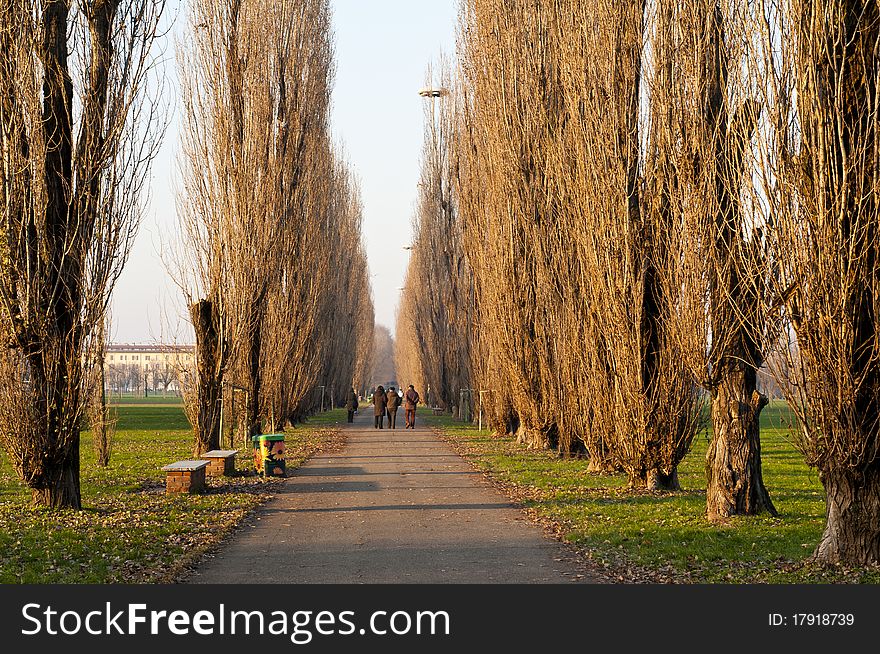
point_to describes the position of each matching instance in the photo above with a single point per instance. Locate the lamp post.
(322, 399)
(433, 93)
(481, 407)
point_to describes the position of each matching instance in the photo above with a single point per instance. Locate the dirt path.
(392, 506)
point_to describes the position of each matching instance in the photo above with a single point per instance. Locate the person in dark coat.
(391, 405)
(380, 401)
(410, 400)
(351, 404)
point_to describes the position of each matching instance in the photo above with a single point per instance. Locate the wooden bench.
(220, 462)
(185, 477)
(436, 410)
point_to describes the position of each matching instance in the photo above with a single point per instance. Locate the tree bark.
(254, 423)
(101, 428)
(209, 371)
(533, 439)
(601, 465)
(852, 517)
(733, 460)
(58, 484)
(847, 463)
(62, 490)
(655, 479)
(647, 252)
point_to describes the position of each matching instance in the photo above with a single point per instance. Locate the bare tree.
(163, 374)
(78, 134)
(102, 423)
(637, 386)
(382, 370)
(436, 318)
(714, 264)
(564, 235)
(201, 264)
(323, 292)
(116, 378)
(272, 216)
(817, 67)
(408, 347)
(509, 96)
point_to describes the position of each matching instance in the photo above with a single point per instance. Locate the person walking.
(380, 400)
(351, 404)
(391, 405)
(410, 400)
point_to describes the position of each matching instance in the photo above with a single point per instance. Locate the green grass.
(665, 536)
(140, 399)
(129, 530)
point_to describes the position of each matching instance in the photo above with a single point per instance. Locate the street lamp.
(430, 92)
(433, 93)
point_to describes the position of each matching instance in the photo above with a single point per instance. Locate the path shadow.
(397, 507)
(357, 471)
(350, 471)
(333, 487)
(452, 457)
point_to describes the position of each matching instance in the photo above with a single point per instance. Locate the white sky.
(383, 48)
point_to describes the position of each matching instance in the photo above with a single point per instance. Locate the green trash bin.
(269, 454)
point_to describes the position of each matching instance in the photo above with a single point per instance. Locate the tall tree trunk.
(209, 376)
(733, 460)
(105, 435)
(254, 423)
(65, 242)
(62, 489)
(101, 428)
(537, 439)
(852, 517)
(847, 68)
(59, 480)
(646, 243)
(654, 479)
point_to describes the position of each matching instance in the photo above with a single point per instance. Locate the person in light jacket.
(380, 400)
(391, 406)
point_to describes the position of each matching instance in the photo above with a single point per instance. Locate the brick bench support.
(185, 477)
(220, 462)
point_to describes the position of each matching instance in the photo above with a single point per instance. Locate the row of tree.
(272, 262)
(630, 207)
(275, 270)
(435, 319)
(131, 378)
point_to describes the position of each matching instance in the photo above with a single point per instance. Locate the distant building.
(146, 368)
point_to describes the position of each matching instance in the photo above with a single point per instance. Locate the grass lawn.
(129, 531)
(656, 536)
(158, 398)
